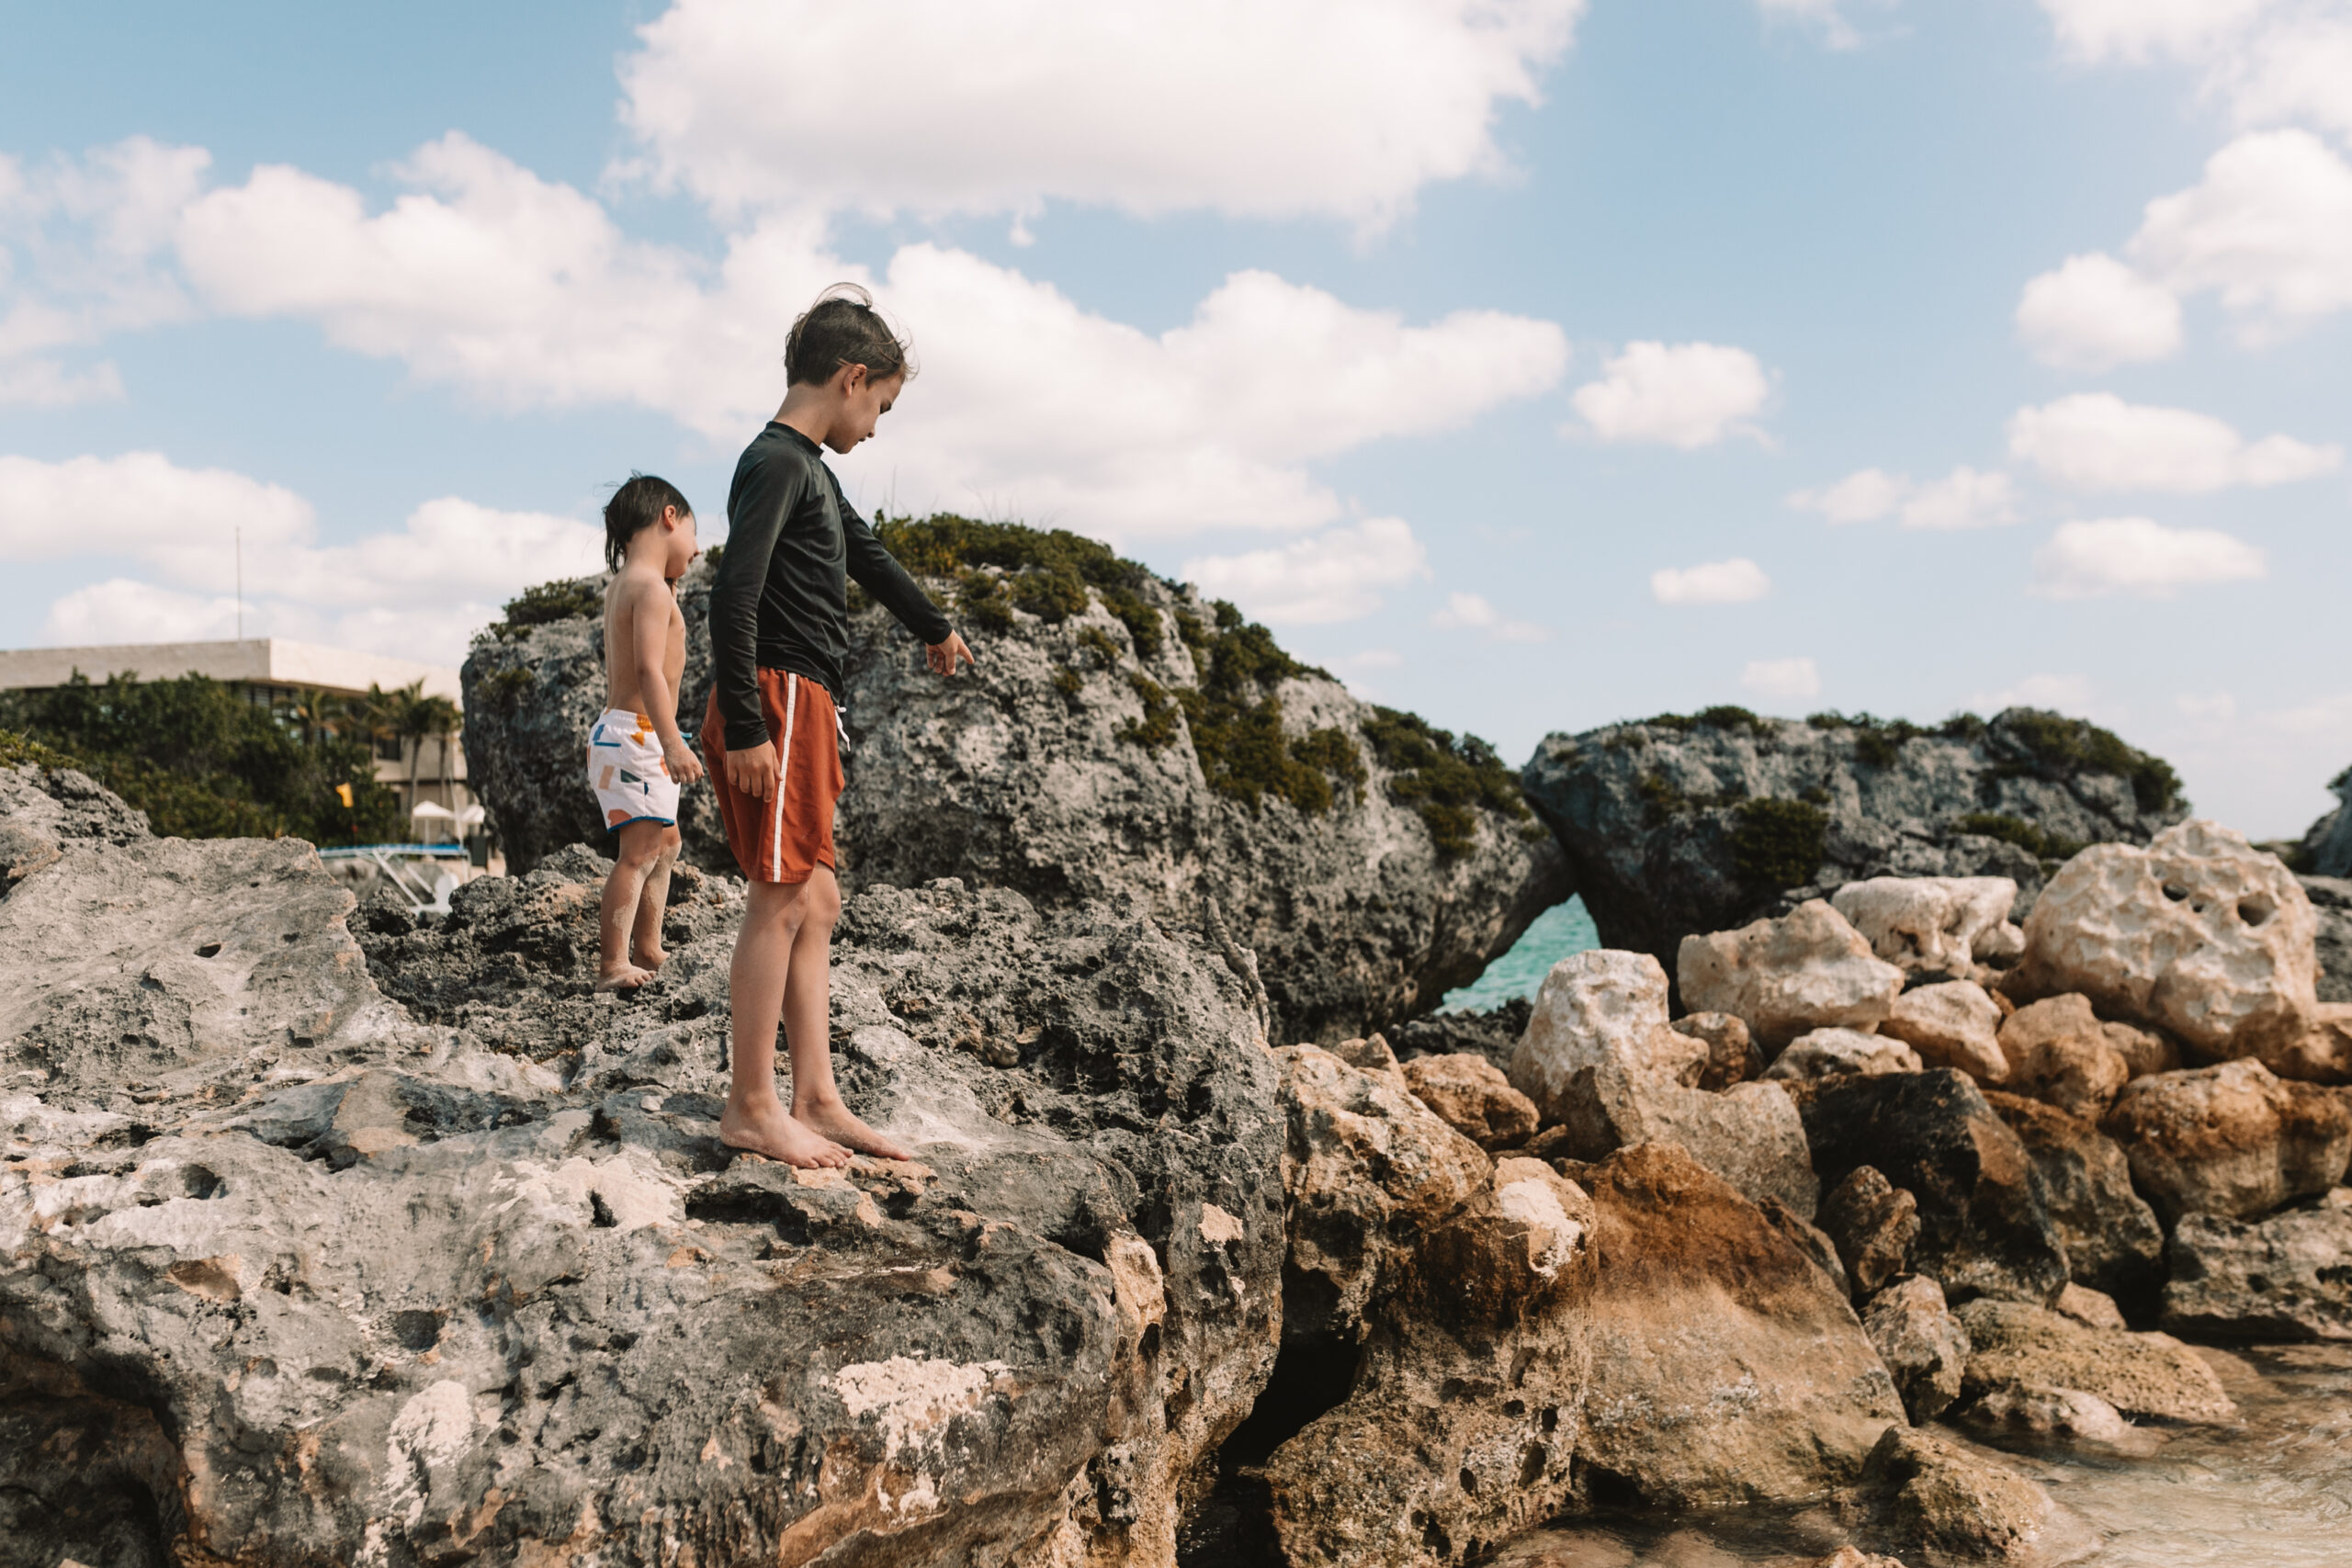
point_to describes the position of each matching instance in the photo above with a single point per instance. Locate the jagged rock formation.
(292, 1273)
(1119, 734)
(1681, 826)
(2326, 849)
(2331, 899)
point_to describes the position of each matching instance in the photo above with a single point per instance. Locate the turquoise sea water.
(1559, 930)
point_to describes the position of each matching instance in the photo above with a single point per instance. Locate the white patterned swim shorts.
(626, 769)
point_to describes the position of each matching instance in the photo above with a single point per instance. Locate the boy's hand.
(942, 656)
(680, 759)
(755, 772)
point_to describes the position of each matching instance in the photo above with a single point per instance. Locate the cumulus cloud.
(2138, 31)
(1334, 576)
(1686, 394)
(1470, 612)
(2268, 229)
(1965, 498)
(1733, 582)
(1781, 679)
(2269, 61)
(2093, 313)
(2134, 555)
(2097, 442)
(419, 591)
(1251, 107)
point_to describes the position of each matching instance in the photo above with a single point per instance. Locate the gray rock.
(2332, 903)
(1493, 1034)
(1042, 771)
(2113, 1243)
(1668, 834)
(1922, 1344)
(1874, 1225)
(2288, 1277)
(2327, 846)
(489, 1287)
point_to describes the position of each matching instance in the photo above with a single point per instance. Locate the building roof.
(260, 660)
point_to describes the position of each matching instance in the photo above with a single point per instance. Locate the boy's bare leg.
(639, 848)
(645, 937)
(808, 1027)
(756, 1118)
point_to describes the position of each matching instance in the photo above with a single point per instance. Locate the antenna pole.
(241, 582)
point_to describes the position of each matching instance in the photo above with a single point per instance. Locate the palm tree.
(319, 713)
(430, 718)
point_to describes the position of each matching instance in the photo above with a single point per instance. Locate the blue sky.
(1530, 363)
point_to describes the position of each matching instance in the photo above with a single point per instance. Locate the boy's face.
(680, 531)
(864, 402)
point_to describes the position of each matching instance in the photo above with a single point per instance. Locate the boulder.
(2149, 1375)
(1726, 1368)
(2327, 846)
(1680, 825)
(2200, 934)
(1809, 1240)
(1807, 970)
(1930, 926)
(1984, 1226)
(1732, 1055)
(2288, 1277)
(1750, 1135)
(2331, 899)
(2111, 1238)
(2036, 1420)
(1494, 1033)
(1952, 1023)
(489, 1289)
(1599, 1009)
(2231, 1141)
(2059, 1052)
(2095, 1309)
(1470, 1095)
(1463, 1415)
(1067, 768)
(1831, 1053)
(1874, 1224)
(1372, 1054)
(1921, 1342)
(2143, 1050)
(1953, 1504)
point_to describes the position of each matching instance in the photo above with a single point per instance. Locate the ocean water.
(1559, 930)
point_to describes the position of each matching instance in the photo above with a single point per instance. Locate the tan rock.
(1750, 1135)
(1810, 969)
(2234, 1141)
(2140, 1374)
(2059, 1052)
(1371, 1054)
(1470, 1095)
(1874, 1224)
(2094, 1309)
(1931, 925)
(2143, 1050)
(1955, 1023)
(1732, 1055)
(2200, 934)
(1922, 1344)
(2035, 1419)
(1831, 1053)
(1603, 1006)
(1950, 1503)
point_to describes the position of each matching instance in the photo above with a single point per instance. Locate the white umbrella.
(472, 817)
(432, 809)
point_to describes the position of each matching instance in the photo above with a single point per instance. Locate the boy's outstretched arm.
(754, 519)
(878, 572)
(648, 647)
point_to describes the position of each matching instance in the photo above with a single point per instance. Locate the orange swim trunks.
(788, 838)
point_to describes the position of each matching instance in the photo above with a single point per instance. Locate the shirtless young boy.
(637, 760)
(779, 634)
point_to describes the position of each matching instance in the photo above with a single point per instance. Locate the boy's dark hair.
(635, 507)
(843, 328)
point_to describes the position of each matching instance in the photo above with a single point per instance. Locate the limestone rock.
(1809, 1240)
(2200, 935)
(1750, 1135)
(2058, 1052)
(1494, 1034)
(2331, 899)
(1601, 1007)
(1684, 826)
(1874, 1225)
(1732, 1055)
(2288, 1277)
(1726, 1367)
(2037, 1419)
(1855, 1557)
(1807, 970)
(1953, 1023)
(1832, 1053)
(2143, 1050)
(2112, 1241)
(2093, 1309)
(1372, 1054)
(2151, 1375)
(387, 1289)
(2231, 1141)
(2327, 846)
(1946, 1501)
(1930, 926)
(1922, 1344)
(1985, 1228)
(1463, 1415)
(1471, 1096)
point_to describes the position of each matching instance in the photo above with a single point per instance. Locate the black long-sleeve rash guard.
(782, 597)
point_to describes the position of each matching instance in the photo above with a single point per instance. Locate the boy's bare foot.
(628, 977)
(775, 1135)
(650, 959)
(836, 1123)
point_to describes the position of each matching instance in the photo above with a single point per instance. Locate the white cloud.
(46, 384)
(2268, 229)
(1471, 612)
(2138, 31)
(2271, 62)
(1334, 576)
(1249, 108)
(139, 504)
(2093, 313)
(1965, 498)
(2062, 692)
(2207, 707)
(120, 610)
(2135, 556)
(1838, 31)
(1781, 679)
(2097, 442)
(1862, 497)
(1686, 394)
(1733, 582)
(526, 293)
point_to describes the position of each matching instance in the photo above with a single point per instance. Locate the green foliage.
(16, 752)
(506, 687)
(1446, 779)
(1963, 727)
(1051, 596)
(1045, 572)
(1724, 715)
(1660, 800)
(1814, 794)
(1878, 742)
(1156, 728)
(1141, 620)
(2023, 834)
(1098, 641)
(565, 600)
(1777, 843)
(1067, 682)
(2062, 747)
(204, 763)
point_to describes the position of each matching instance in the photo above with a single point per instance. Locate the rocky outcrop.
(2288, 1277)
(2113, 1243)
(1118, 736)
(2012, 1345)
(2327, 846)
(347, 1285)
(1601, 1010)
(1685, 824)
(2231, 1141)
(1471, 1096)
(2198, 934)
(2331, 899)
(1726, 1368)
(1922, 1344)
(1934, 927)
(1953, 1023)
(1783, 977)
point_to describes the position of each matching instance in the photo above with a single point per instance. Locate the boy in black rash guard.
(779, 633)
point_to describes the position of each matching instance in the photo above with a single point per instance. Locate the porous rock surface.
(1660, 823)
(1808, 969)
(1952, 1504)
(2113, 1243)
(2231, 1140)
(1022, 772)
(2288, 1276)
(2057, 1050)
(1832, 1053)
(1471, 1096)
(316, 1280)
(1922, 1344)
(1934, 927)
(2152, 1375)
(1951, 1024)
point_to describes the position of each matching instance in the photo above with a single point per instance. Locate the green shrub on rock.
(1777, 843)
